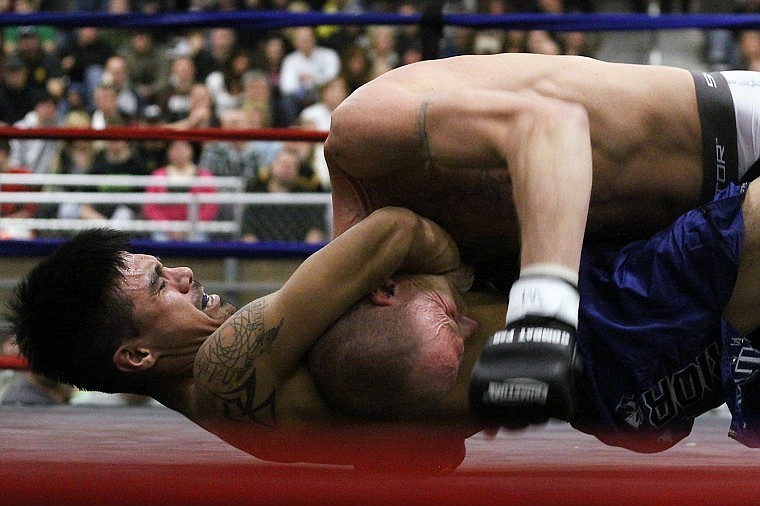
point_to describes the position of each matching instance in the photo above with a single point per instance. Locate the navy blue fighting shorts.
(656, 350)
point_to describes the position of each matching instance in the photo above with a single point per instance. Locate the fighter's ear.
(385, 295)
(132, 357)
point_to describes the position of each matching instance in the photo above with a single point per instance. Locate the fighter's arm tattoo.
(228, 367)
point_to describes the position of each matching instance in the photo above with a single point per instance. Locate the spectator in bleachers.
(355, 67)
(226, 85)
(17, 97)
(44, 68)
(302, 223)
(412, 54)
(119, 157)
(76, 157)
(194, 44)
(740, 50)
(339, 37)
(573, 43)
(73, 100)
(381, 47)
(232, 158)
(153, 151)
(408, 37)
(180, 164)
(153, 6)
(268, 58)
(117, 37)
(83, 56)
(458, 41)
(238, 158)
(721, 51)
(222, 43)
(174, 100)
(246, 37)
(496, 40)
(541, 42)
(48, 35)
(202, 112)
(749, 50)
(12, 209)
(37, 154)
(147, 64)
(305, 150)
(264, 151)
(272, 53)
(106, 105)
(257, 96)
(304, 70)
(318, 117)
(128, 101)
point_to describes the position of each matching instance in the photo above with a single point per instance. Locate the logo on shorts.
(674, 395)
(747, 362)
(720, 166)
(630, 410)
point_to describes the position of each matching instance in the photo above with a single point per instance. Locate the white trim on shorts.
(745, 92)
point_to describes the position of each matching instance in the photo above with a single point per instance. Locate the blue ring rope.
(270, 20)
(182, 249)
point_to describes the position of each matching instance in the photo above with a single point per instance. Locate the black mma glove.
(526, 373)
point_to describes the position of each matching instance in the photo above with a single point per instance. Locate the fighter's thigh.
(743, 308)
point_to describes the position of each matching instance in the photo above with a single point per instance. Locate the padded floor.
(151, 455)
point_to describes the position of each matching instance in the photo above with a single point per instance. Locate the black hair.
(69, 315)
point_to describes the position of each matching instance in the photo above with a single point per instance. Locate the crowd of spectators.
(239, 78)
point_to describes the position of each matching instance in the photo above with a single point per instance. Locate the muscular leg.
(743, 310)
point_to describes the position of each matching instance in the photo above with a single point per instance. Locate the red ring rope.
(11, 362)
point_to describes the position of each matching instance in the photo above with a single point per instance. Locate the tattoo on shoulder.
(227, 365)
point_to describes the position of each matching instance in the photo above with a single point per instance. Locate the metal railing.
(232, 193)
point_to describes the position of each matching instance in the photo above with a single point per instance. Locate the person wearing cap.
(44, 68)
(16, 95)
(47, 35)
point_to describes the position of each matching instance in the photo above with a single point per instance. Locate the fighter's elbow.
(551, 120)
(577, 114)
(338, 134)
(564, 114)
